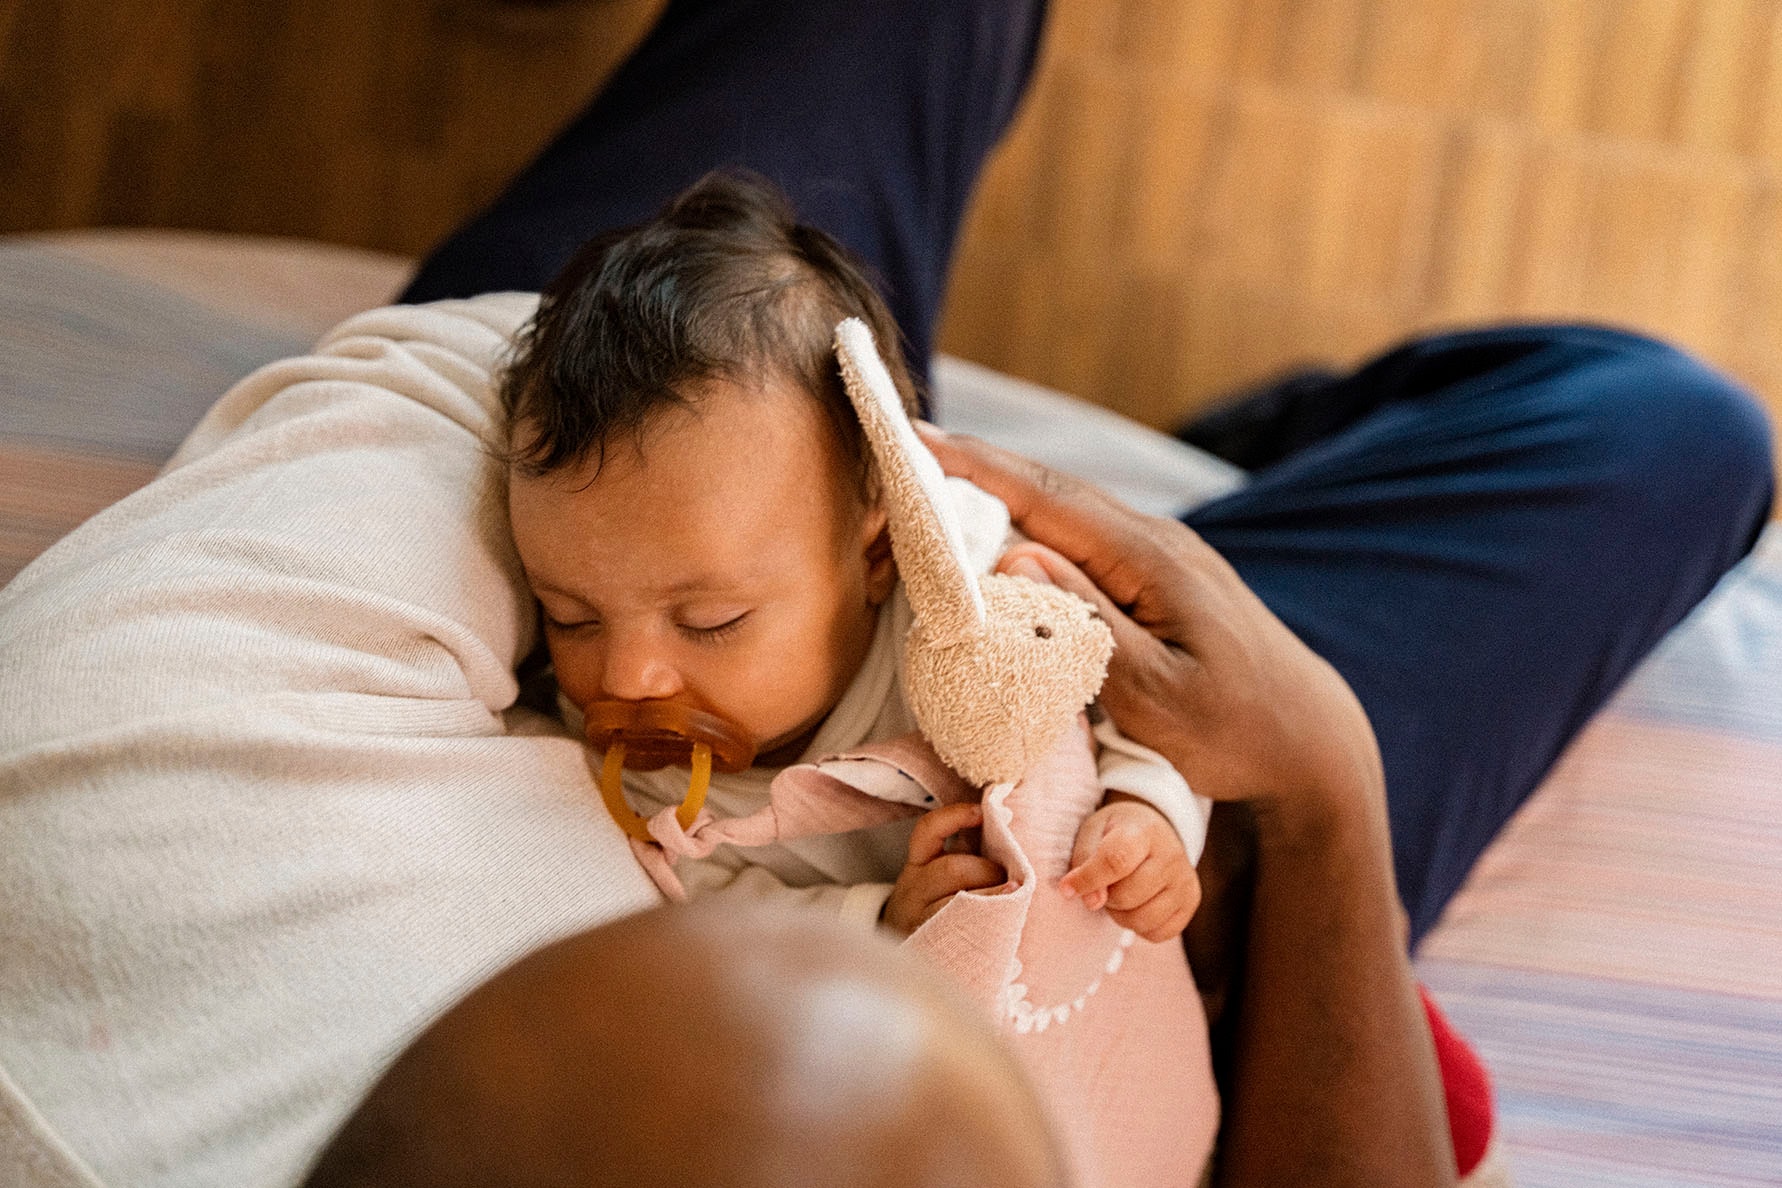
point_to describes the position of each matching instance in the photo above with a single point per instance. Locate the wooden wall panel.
(1197, 194)
(1259, 185)
(380, 123)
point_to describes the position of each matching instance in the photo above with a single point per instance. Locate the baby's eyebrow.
(540, 587)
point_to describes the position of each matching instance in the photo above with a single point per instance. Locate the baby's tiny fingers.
(1163, 916)
(966, 841)
(930, 911)
(1153, 919)
(958, 872)
(929, 838)
(1115, 856)
(1141, 886)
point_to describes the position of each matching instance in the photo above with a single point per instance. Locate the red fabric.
(1466, 1085)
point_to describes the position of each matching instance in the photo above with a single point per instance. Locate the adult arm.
(1332, 1078)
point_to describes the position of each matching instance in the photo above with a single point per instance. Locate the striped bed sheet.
(1616, 956)
(112, 345)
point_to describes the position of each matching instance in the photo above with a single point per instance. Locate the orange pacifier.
(649, 735)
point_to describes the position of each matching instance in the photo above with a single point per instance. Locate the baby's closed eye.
(712, 626)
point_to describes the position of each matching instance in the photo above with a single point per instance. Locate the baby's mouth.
(648, 735)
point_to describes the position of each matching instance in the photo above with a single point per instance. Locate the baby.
(692, 499)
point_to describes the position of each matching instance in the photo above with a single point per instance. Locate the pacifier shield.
(659, 734)
(649, 735)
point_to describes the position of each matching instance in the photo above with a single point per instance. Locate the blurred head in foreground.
(689, 1047)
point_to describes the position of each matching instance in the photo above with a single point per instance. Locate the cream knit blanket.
(264, 809)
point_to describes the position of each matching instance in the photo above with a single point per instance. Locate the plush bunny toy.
(996, 668)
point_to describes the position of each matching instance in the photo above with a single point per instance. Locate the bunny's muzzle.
(993, 701)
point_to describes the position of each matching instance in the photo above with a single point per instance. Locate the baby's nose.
(638, 672)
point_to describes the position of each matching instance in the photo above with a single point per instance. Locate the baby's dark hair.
(724, 283)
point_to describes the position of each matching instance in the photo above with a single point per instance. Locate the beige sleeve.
(264, 810)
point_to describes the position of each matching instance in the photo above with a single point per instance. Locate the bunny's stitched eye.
(1042, 631)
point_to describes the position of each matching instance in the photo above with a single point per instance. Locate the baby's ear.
(881, 565)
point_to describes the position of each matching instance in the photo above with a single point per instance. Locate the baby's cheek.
(576, 678)
(784, 688)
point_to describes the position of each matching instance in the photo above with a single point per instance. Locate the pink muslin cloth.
(1109, 1025)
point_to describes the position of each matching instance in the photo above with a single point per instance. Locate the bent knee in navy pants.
(1488, 551)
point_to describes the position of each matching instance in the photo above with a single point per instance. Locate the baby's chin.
(789, 748)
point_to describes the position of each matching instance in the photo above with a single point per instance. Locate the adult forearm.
(1334, 1079)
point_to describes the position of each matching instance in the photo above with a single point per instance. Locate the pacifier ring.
(649, 735)
(612, 791)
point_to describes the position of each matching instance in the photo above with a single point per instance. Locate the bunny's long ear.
(925, 536)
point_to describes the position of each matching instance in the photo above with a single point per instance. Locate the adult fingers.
(1144, 692)
(1228, 694)
(1077, 518)
(929, 838)
(1160, 572)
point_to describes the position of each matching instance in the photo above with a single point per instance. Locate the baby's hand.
(933, 875)
(1128, 857)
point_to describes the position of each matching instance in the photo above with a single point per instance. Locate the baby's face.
(729, 564)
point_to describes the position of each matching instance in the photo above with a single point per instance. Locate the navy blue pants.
(1484, 534)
